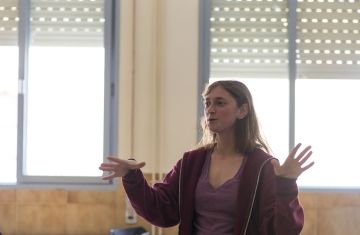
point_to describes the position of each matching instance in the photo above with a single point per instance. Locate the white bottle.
(130, 214)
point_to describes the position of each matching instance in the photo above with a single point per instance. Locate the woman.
(229, 184)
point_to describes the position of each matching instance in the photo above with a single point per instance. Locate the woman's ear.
(243, 111)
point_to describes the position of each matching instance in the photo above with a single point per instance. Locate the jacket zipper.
(254, 193)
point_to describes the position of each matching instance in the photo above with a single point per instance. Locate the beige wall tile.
(311, 220)
(7, 196)
(95, 197)
(333, 200)
(89, 219)
(120, 209)
(120, 206)
(308, 200)
(339, 221)
(41, 219)
(171, 231)
(41, 196)
(8, 218)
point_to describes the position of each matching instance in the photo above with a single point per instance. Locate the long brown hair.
(247, 132)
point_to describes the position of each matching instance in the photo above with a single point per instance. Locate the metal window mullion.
(115, 59)
(204, 54)
(292, 18)
(24, 41)
(111, 45)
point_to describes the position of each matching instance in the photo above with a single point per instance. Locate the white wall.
(158, 80)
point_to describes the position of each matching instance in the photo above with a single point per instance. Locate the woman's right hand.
(119, 167)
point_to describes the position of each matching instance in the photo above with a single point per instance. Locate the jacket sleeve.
(157, 204)
(279, 209)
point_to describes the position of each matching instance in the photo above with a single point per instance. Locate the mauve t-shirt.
(215, 207)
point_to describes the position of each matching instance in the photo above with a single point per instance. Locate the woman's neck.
(225, 145)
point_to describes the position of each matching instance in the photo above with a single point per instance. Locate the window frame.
(111, 92)
(205, 8)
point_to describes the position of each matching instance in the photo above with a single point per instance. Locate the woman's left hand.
(294, 165)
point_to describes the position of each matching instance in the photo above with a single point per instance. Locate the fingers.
(108, 164)
(114, 159)
(104, 168)
(108, 177)
(130, 163)
(118, 167)
(300, 156)
(307, 166)
(304, 159)
(137, 165)
(295, 164)
(294, 150)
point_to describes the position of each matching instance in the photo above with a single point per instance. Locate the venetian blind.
(249, 39)
(8, 22)
(67, 22)
(328, 42)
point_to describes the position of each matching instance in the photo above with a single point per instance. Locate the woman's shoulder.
(198, 152)
(196, 155)
(259, 155)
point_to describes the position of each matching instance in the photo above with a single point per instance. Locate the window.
(300, 59)
(249, 41)
(8, 89)
(59, 91)
(327, 85)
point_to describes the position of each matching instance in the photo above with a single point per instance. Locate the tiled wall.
(49, 212)
(331, 213)
(60, 212)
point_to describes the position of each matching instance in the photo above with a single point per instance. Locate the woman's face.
(221, 110)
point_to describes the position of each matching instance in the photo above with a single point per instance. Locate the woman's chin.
(213, 129)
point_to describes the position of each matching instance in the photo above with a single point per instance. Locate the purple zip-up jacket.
(266, 204)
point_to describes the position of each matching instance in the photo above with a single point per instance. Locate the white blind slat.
(67, 23)
(328, 39)
(8, 22)
(57, 23)
(248, 39)
(253, 34)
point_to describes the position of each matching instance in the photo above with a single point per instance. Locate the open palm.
(294, 165)
(119, 167)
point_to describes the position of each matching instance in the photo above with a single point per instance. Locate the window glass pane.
(8, 110)
(248, 42)
(327, 91)
(65, 105)
(327, 85)
(327, 117)
(8, 90)
(271, 101)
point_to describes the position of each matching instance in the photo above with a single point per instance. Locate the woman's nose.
(210, 109)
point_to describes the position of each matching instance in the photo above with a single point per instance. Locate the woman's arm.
(280, 211)
(157, 204)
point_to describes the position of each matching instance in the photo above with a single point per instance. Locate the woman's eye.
(220, 103)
